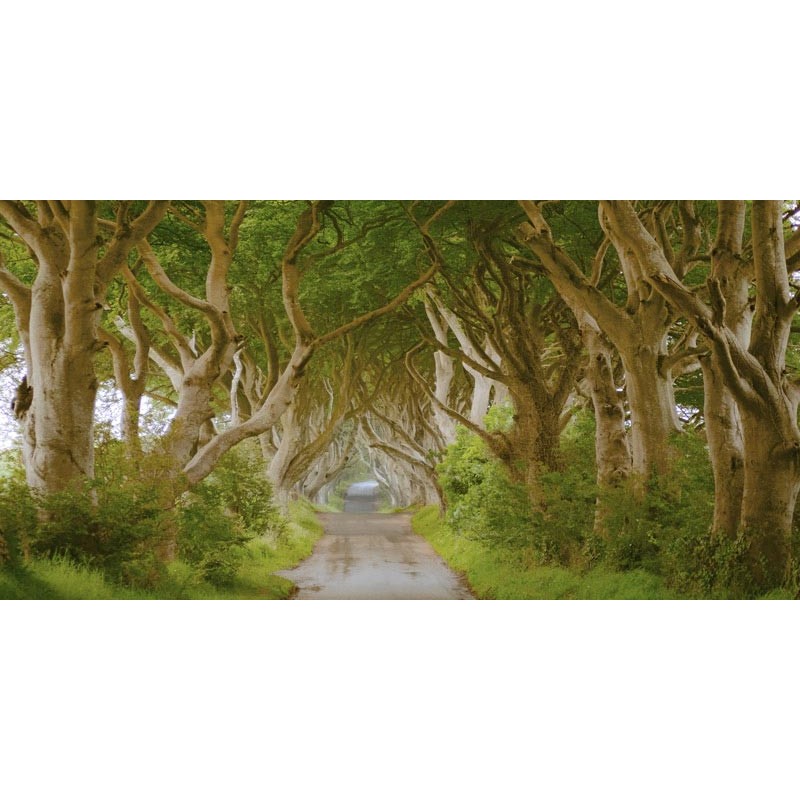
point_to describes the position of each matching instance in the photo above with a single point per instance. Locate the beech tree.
(341, 452)
(730, 276)
(639, 331)
(337, 332)
(399, 424)
(755, 373)
(78, 247)
(193, 456)
(517, 339)
(310, 426)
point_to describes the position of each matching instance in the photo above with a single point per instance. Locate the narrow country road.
(374, 557)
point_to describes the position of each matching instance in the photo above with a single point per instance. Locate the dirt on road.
(374, 557)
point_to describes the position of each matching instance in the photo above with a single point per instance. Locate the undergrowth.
(59, 577)
(497, 573)
(654, 541)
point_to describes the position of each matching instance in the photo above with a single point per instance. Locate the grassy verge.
(61, 579)
(498, 575)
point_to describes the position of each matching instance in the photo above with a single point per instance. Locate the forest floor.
(366, 556)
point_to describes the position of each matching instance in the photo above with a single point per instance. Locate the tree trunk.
(535, 440)
(57, 319)
(725, 446)
(58, 446)
(58, 428)
(652, 414)
(481, 394)
(277, 466)
(612, 450)
(729, 284)
(444, 374)
(771, 483)
(131, 416)
(638, 332)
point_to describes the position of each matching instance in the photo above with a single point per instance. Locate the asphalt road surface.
(374, 557)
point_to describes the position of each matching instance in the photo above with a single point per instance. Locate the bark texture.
(58, 317)
(638, 332)
(756, 377)
(612, 449)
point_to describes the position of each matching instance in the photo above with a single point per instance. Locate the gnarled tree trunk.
(726, 450)
(612, 450)
(58, 321)
(771, 484)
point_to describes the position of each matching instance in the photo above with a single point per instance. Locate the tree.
(766, 396)
(78, 247)
(639, 331)
(306, 340)
(511, 331)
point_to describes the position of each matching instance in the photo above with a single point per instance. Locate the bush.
(657, 527)
(705, 565)
(242, 486)
(117, 529)
(566, 518)
(484, 504)
(209, 539)
(662, 527)
(17, 516)
(218, 517)
(123, 522)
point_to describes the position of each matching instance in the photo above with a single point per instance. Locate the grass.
(495, 574)
(61, 579)
(501, 575)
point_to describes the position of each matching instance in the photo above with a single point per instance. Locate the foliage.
(209, 540)
(17, 514)
(224, 512)
(501, 574)
(500, 418)
(119, 534)
(655, 526)
(58, 577)
(121, 523)
(661, 528)
(239, 483)
(498, 574)
(484, 504)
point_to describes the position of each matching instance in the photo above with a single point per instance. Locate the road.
(374, 557)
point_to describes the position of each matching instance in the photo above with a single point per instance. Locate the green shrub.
(122, 522)
(659, 526)
(709, 566)
(484, 504)
(495, 573)
(117, 529)
(565, 520)
(242, 486)
(208, 538)
(218, 517)
(662, 528)
(17, 515)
